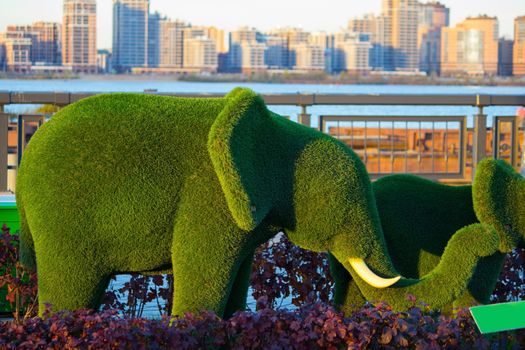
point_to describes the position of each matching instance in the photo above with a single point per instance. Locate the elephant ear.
(236, 157)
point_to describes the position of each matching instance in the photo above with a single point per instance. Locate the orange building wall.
(451, 59)
(519, 46)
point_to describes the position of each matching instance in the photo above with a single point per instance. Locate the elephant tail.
(27, 247)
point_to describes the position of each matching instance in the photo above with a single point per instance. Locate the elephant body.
(125, 183)
(419, 217)
(139, 183)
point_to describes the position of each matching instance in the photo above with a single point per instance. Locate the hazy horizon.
(230, 14)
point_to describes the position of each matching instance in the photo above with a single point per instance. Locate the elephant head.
(499, 200)
(318, 190)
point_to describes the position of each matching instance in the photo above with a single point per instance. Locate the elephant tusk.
(369, 276)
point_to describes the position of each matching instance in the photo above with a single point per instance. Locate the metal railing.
(65, 98)
(431, 149)
(435, 147)
(431, 146)
(10, 158)
(506, 139)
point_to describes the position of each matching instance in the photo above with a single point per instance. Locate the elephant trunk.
(445, 283)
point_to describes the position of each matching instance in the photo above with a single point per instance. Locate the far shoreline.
(290, 78)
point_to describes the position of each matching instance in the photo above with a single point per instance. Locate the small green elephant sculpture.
(498, 194)
(420, 219)
(140, 183)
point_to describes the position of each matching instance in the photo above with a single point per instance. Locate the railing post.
(305, 118)
(20, 131)
(479, 139)
(4, 124)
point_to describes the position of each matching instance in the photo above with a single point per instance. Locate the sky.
(328, 15)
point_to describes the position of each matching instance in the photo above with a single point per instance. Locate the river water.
(102, 84)
(99, 84)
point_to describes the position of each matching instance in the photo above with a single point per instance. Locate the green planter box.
(9, 213)
(8, 216)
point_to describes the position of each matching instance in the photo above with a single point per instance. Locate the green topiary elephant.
(420, 219)
(499, 200)
(139, 183)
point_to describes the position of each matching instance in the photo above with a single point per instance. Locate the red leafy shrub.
(308, 327)
(284, 274)
(18, 285)
(282, 270)
(511, 282)
(131, 299)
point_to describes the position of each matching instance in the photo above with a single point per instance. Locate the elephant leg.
(204, 275)
(68, 284)
(208, 248)
(237, 299)
(347, 296)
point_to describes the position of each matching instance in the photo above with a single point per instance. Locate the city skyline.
(292, 13)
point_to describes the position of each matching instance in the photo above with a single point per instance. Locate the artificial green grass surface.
(499, 200)
(419, 219)
(138, 183)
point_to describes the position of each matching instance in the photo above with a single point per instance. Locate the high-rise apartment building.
(144, 41)
(292, 37)
(217, 35)
(154, 20)
(199, 40)
(3, 64)
(351, 51)
(79, 35)
(245, 49)
(380, 34)
(130, 34)
(365, 24)
(400, 32)
(2, 55)
(518, 63)
(45, 42)
(200, 53)
(321, 39)
(471, 47)
(46, 50)
(104, 61)
(325, 41)
(17, 48)
(192, 32)
(309, 57)
(252, 57)
(505, 48)
(15, 52)
(245, 35)
(171, 44)
(433, 16)
(276, 55)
